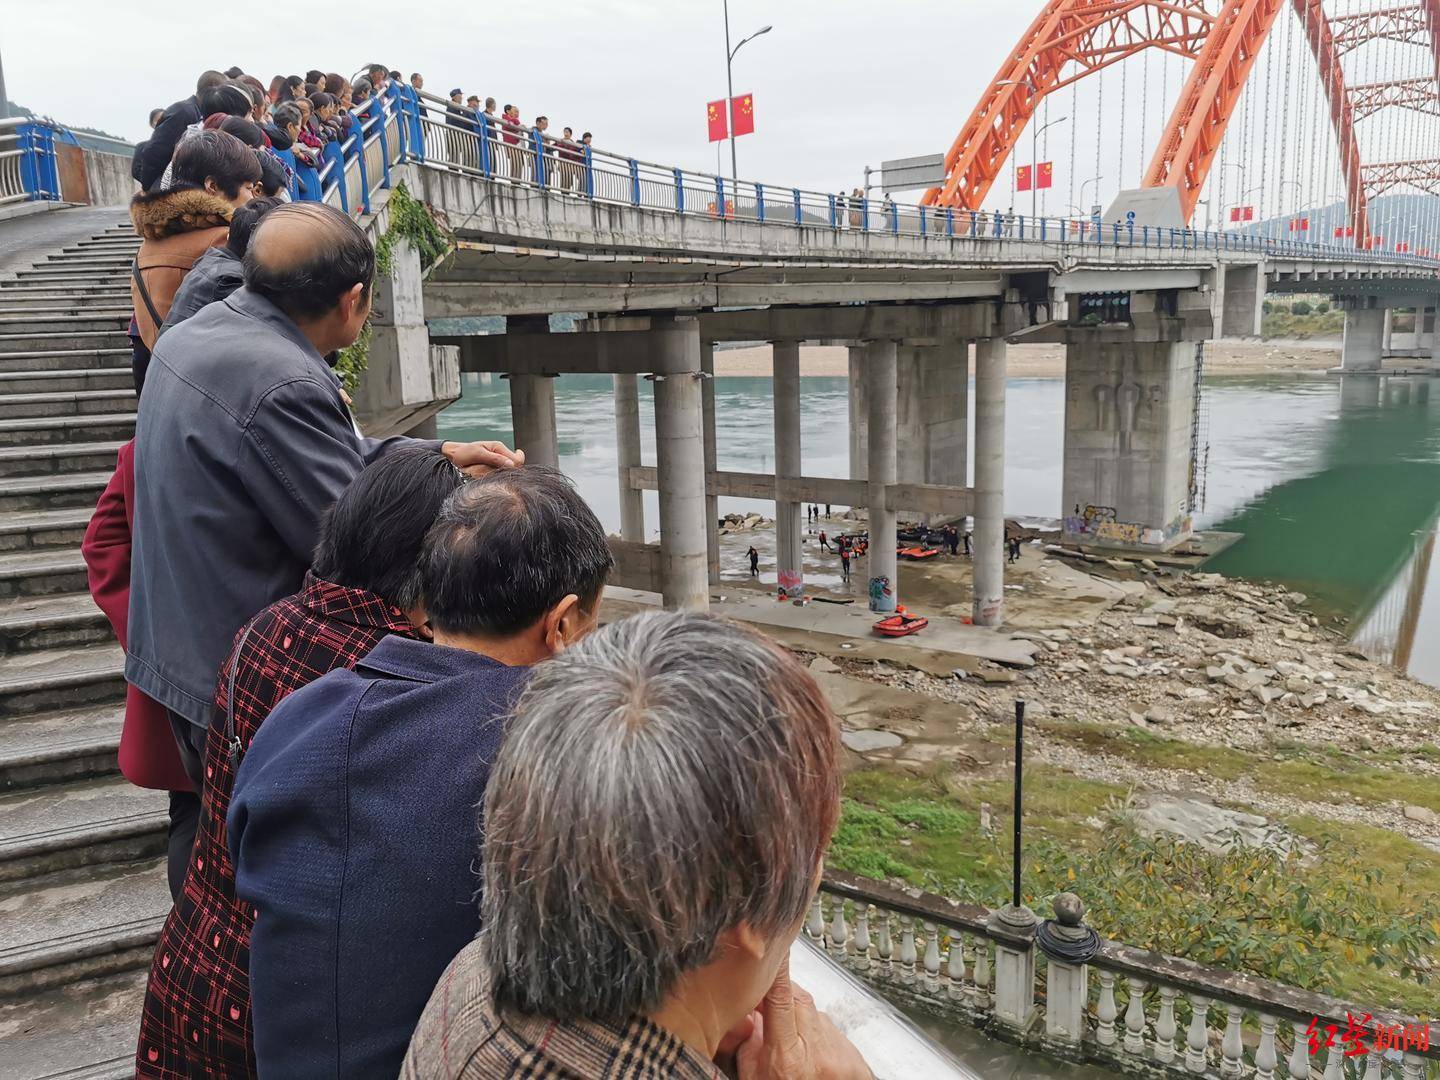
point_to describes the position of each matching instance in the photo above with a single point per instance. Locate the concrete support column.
(789, 559)
(859, 415)
(1129, 414)
(932, 398)
(881, 404)
(1364, 339)
(532, 413)
(1387, 341)
(712, 504)
(1435, 342)
(680, 454)
(627, 452)
(989, 535)
(1242, 301)
(910, 452)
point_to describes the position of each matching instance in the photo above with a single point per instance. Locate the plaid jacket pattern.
(196, 1020)
(461, 1036)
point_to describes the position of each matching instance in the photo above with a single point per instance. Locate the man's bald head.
(304, 256)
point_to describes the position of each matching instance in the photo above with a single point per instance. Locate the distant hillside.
(1386, 215)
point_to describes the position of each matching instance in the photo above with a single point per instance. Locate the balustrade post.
(1297, 1065)
(932, 957)
(384, 150)
(1135, 1017)
(1265, 1056)
(907, 950)
(862, 937)
(983, 997)
(1374, 1069)
(1014, 965)
(1198, 1037)
(1231, 1047)
(634, 182)
(589, 174)
(815, 924)
(839, 930)
(1335, 1063)
(720, 197)
(1106, 1012)
(834, 217)
(884, 948)
(799, 218)
(1165, 1027)
(1413, 1067)
(360, 160)
(679, 192)
(955, 965)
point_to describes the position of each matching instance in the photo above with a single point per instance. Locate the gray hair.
(667, 779)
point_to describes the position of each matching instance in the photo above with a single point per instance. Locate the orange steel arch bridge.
(1074, 40)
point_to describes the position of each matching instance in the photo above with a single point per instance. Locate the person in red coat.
(148, 756)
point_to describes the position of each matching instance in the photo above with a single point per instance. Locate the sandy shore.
(1048, 361)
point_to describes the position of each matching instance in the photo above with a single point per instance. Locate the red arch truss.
(1073, 38)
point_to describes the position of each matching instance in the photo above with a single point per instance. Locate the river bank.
(1048, 361)
(1161, 707)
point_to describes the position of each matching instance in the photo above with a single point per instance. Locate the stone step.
(67, 403)
(52, 748)
(85, 823)
(82, 1031)
(44, 530)
(52, 492)
(28, 301)
(35, 682)
(32, 622)
(50, 431)
(71, 353)
(80, 279)
(101, 263)
(30, 574)
(61, 929)
(109, 377)
(82, 340)
(57, 459)
(46, 321)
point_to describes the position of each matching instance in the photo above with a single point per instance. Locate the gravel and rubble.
(1233, 665)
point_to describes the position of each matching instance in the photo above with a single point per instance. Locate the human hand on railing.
(479, 458)
(793, 1040)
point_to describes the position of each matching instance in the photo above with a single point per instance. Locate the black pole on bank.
(1019, 790)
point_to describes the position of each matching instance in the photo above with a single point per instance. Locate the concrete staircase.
(82, 883)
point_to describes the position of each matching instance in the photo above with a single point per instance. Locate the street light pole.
(4, 101)
(730, 83)
(1035, 165)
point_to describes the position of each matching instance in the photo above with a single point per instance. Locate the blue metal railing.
(406, 125)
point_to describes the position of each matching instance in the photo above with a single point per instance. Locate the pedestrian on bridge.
(154, 154)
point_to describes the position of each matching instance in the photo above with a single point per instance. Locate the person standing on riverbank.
(754, 557)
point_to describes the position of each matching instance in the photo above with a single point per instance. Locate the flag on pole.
(1022, 178)
(1300, 224)
(1342, 231)
(715, 117)
(1046, 175)
(1235, 213)
(1249, 213)
(742, 115)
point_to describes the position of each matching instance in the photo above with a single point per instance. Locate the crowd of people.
(427, 816)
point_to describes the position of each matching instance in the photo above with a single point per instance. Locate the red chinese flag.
(1304, 224)
(715, 117)
(1234, 213)
(742, 114)
(1047, 174)
(1022, 178)
(1249, 213)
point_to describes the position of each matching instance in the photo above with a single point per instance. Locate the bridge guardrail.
(426, 129)
(28, 168)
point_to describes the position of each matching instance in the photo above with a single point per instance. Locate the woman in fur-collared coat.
(212, 174)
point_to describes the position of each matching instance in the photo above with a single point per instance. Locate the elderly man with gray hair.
(656, 823)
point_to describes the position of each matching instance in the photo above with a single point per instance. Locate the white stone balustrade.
(1128, 1010)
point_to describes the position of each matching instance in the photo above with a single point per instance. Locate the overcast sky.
(837, 84)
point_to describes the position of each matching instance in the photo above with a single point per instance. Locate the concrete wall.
(407, 380)
(1128, 412)
(108, 178)
(1242, 301)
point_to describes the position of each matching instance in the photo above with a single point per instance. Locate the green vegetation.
(1358, 918)
(409, 220)
(1302, 321)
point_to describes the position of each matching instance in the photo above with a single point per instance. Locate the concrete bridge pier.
(680, 455)
(712, 504)
(1364, 342)
(785, 370)
(1242, 300)
(931, 418)
(880, 394)
(989, 534)
(532, 401)
(1129, 413)
(859, 415)
(627, 454)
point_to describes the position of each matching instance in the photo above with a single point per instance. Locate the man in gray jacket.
(242, 443)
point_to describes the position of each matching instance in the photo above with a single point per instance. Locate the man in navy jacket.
(354, 821)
